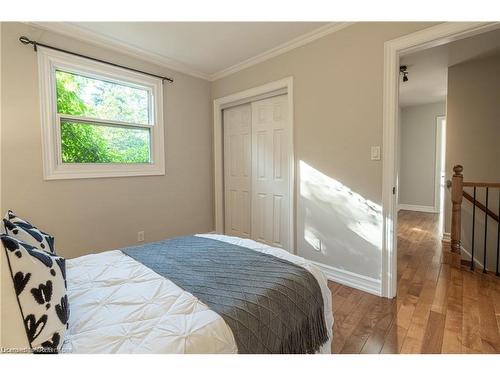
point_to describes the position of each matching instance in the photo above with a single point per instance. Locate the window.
(98, 120)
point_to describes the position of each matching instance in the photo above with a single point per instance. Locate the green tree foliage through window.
(87, 142)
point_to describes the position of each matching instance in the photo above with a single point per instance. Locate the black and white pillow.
(28, 233)
(39, 280)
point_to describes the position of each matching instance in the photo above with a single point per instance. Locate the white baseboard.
(413, 207)
(351, 279)
(463, 251)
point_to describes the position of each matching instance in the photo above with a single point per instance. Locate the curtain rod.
(26, 40)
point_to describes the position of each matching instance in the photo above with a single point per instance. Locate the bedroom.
(196, 102)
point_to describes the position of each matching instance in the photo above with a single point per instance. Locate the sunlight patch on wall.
(361, 216)
(313, 238)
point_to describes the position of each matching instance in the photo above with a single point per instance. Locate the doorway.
(439, 35)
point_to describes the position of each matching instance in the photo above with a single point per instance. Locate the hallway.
(438, 309)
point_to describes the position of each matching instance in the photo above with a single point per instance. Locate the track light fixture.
(403, 69)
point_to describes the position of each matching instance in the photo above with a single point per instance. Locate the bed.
(120, 305)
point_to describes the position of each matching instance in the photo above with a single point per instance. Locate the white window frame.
(53, 168)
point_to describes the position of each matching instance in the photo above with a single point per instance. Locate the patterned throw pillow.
(39, 279)
(25, 232)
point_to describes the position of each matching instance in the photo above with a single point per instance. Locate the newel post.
(456, 199)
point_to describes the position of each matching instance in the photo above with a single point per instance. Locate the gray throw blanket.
(270, 304)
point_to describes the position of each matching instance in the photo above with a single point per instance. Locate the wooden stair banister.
(481, 184)
(481, 206)
(456, 211)
(457, 185)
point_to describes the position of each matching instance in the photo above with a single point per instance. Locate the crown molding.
(92, 37)
(95, 38)
(283, 48)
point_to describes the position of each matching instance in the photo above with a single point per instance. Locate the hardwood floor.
(439, 308)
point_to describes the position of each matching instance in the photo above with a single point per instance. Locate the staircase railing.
(457, 194)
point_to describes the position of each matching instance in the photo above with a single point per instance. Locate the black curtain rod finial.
(25, 40)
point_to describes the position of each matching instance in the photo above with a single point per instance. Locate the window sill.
(68, 172)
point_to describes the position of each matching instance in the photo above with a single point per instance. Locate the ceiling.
(205, 49)
(428, 69)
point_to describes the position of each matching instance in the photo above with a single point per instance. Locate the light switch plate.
(375, 153)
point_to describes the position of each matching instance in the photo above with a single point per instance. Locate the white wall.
(338, 87)
(417, 168)
(90, 215)
(473, 140)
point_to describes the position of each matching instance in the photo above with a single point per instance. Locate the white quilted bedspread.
(119, 305)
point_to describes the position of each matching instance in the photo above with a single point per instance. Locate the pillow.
(27, 233)
(39, 283)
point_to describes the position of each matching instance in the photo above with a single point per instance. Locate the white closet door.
(237, 170)
(270, 171)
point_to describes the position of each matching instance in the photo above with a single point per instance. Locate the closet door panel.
(270, 185)
(237, 170)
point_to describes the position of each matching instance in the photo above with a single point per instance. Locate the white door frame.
(393, 49)
(283, 86)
